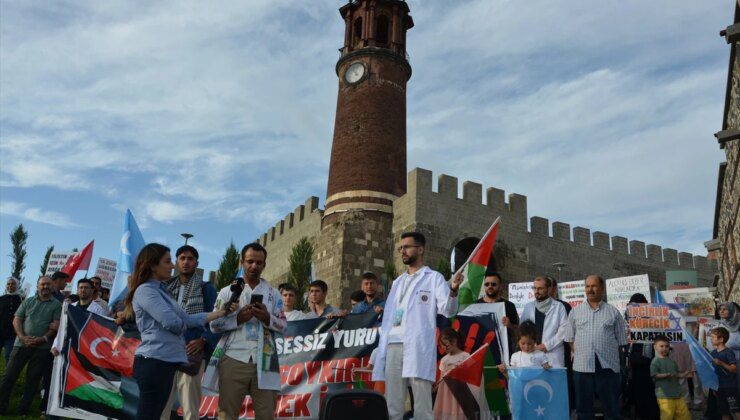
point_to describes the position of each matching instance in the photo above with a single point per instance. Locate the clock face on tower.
(355, 72)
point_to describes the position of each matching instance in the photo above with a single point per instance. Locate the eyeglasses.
(490, 284)
(405, 247)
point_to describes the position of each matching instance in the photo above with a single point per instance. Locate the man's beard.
(492, 295)
(411, 259)
(542, 299)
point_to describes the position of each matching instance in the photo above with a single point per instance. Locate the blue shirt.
(362, 306)
(162, 323)
(726, 379)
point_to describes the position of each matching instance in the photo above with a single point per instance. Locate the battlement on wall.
(295, 219)
(540, 227)
(420, 182)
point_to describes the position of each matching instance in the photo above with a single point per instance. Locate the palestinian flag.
(474, 269)
(87, 386)
(465, 383)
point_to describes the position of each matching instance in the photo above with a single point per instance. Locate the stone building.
(726, 234)
(368, 206)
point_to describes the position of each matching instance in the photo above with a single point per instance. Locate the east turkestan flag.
(538, 393)
(474, 269)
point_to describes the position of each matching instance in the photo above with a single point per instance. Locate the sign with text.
(680, 279)
(620, 290)
(647, 321)
(573, 292)
(106, 270)
(520, 294)
(57, 260)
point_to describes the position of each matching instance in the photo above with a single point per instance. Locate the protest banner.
(646, 321)
(57, 260)
(520, 294)
(92, 377)
(620, 289)
(573, 292)
(106, 270)
(699, 301)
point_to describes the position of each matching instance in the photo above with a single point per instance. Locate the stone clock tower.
(368, 157)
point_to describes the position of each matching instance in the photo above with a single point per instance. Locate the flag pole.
(490, 228)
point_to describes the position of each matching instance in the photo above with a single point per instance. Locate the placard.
(106, 270)
(57, 260)
(647, 321)
(520, 294)
(573, 292)
(619, 290)
(699, 301)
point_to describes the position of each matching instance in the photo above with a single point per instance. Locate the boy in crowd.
(725, 398)
(667, 388)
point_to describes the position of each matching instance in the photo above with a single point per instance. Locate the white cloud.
(35, 214)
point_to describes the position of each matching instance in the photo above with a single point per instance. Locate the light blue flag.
(537, 393)
(131, 243)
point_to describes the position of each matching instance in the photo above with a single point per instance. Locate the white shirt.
(554, 330)
(535, 359)
(428, 296)
(296, 315)
(402, 302)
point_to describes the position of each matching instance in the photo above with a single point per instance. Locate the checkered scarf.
(192, 302)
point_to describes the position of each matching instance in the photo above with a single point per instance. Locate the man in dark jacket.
(9, 303)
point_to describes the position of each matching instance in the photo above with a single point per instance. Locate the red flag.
(471, 369)
(107, 348)
(80, 260)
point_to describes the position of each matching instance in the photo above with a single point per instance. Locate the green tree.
(228, 267)
(18, 241)
(300, 267)
(49, 250)
(444, 268)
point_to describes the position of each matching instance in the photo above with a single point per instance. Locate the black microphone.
(236, 291)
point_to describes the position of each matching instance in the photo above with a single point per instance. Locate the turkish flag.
(105, 346)
(79, 260)
(471, 369)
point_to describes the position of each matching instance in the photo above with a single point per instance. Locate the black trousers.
(39, 362)
(155, 378)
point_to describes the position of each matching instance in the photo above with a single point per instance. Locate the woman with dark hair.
(161, 322)
(640, 387)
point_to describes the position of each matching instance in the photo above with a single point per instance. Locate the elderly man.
(596, 330)
(550, 320)
(35, 323)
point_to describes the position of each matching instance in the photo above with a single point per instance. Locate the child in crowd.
(527, 356)
(664, 372)
(725, 399)
(446, 405)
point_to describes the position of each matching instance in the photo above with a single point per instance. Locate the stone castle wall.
(522, 252)
(304, 221)
(525, 248)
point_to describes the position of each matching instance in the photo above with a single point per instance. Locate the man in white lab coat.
(550, 320)
(407, 352)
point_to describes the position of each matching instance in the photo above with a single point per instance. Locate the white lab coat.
(553, 331)
(429, 295)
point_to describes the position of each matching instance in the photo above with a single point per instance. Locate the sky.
(216, 119)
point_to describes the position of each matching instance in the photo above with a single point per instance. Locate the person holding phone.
(245, 360)
(162, 323)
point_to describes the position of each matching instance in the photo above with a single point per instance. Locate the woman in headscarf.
(729, 317)
(640, 388)
(9, 303)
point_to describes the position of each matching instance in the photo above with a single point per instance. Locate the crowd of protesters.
(182, 320)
